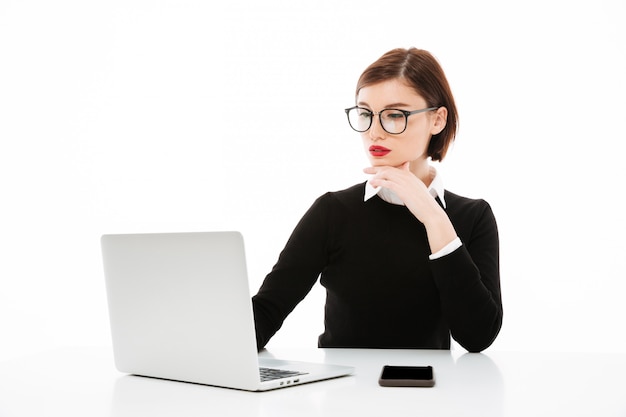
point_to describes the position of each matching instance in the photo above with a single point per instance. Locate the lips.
(378, 150)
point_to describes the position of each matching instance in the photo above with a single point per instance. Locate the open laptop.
(180, 309)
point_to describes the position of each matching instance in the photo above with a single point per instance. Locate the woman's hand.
(414, 193)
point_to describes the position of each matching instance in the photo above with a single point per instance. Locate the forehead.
(387, 93)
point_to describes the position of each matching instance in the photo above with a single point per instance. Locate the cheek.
(417, 147)
(366, 141)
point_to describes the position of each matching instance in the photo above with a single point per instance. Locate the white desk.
(84, 382)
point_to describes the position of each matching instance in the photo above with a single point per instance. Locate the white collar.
(436, 190)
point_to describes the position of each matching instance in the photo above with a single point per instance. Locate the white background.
(188, 115)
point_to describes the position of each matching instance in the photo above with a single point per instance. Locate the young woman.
(405, 263)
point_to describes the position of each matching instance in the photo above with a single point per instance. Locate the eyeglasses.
(393, 121)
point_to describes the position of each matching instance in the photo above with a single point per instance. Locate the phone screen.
(407, 372)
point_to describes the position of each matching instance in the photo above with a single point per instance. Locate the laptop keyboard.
(268, 374)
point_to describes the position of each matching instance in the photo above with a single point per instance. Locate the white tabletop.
(84, 382)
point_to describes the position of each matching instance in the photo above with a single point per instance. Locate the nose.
(376, 131)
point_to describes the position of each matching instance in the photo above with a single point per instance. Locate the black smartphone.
(407, 376)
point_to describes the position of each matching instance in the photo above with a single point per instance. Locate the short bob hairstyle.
(421, 71)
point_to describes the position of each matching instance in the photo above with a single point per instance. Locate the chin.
(384, 163)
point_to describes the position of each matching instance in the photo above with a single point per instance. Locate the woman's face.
(385, 149)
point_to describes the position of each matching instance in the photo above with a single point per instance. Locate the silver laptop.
(180, 309)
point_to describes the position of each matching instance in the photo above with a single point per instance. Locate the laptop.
(180, 309)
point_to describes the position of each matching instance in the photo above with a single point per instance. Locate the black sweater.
(382, 289)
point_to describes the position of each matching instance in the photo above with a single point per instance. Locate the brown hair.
(421, 71)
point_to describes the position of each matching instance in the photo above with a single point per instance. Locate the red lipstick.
(378, 151)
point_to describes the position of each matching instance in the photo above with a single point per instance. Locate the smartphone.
(407, 376)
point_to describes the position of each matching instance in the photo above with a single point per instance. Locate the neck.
(423, 171)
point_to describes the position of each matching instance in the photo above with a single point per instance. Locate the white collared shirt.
(435, 189)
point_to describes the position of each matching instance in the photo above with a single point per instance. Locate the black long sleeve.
(382, 289)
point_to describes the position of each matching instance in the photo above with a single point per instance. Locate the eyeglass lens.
(393, 121)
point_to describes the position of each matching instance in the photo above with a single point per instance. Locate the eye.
(364, 113)
(394, 114)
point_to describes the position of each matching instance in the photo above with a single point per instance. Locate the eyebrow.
(388, 106)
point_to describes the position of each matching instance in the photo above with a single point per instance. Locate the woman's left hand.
(416, 197)
(408, 187)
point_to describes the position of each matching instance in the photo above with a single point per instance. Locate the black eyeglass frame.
(405, 112)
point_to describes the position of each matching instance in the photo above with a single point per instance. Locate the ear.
(439, 120)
